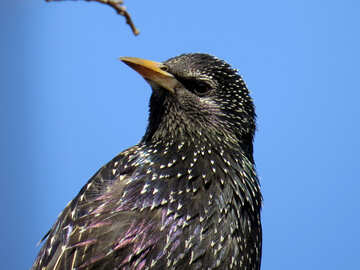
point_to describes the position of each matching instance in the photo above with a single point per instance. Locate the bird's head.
(197, 97)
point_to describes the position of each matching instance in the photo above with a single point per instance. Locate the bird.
(187, 196)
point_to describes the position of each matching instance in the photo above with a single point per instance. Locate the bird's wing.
(130, 217)
(98, 229)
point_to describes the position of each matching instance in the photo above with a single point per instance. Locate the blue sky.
(67, 106)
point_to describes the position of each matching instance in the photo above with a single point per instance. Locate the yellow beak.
(152, 71)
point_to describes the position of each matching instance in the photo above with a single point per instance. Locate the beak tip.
(122, 58)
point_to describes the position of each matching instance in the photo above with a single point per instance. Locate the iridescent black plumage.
(185, 197)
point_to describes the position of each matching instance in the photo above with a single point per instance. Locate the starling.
(186, 196)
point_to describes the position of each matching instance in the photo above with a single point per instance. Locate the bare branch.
(119, 7)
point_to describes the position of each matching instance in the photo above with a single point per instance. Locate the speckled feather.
(185, 197)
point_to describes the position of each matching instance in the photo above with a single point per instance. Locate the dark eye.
(202, 88)
(198, 87)
(164, 68)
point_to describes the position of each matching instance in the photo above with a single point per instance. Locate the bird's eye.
(198, 87)
(201, 88)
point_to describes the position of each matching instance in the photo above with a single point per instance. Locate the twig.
(119, 8)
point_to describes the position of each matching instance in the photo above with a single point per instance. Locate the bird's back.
(162, 207)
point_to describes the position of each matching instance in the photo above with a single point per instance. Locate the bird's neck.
(195, 143)
(190, 135)
(169, 124)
